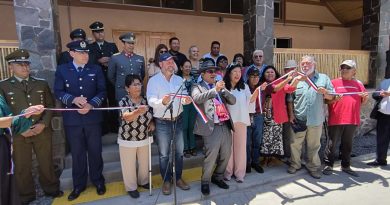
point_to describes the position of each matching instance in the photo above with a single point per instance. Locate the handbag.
(374, 112)
(299, 126)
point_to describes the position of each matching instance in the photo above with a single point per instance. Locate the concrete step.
(110, 150)
(112, 170)
(110, 153)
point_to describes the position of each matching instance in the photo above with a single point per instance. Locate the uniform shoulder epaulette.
(4, 80)
(35, 78)
(115, 54)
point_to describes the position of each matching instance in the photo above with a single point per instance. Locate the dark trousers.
(287, 135)
(42, 146)
(218, 150)
(345, 133)
(85, 141)
(382, 137)
(8, 192)
(254, 138)
(110, 120)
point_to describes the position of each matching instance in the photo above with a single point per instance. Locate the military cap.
(77, 33)
(207, 63)
(96, 26)
(127, 37)
(165, 57)
(80, 46)
(18, 56)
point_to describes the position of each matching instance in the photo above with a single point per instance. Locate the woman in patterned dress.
(133, 136)
(275, 113)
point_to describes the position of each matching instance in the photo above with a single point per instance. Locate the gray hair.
(257, 51)
(310, 58)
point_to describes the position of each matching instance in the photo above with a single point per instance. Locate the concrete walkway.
(276, 186)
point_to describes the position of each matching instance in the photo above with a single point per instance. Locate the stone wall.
(376, 30)
(367, 124)
(37, 29)
(258, 28)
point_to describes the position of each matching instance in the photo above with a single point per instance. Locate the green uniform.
(19, 96)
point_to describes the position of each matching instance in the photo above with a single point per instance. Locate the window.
(175, 4)
(283, 42)
(277, 9)
(223, 6)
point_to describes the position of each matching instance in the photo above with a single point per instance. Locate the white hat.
(350, 63)
(291, 64)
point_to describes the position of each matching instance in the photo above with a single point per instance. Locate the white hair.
(310, 58)
(257, 51)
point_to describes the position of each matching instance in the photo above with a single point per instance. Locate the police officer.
(101, 52)
(76, 35)
(81, 85)
(21, 91)
(124, 63)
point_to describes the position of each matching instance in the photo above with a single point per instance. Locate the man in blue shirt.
(257, 57)
(309, 116)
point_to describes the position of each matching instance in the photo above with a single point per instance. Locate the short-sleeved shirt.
(308, 104)
(346, 111)
(134, 131)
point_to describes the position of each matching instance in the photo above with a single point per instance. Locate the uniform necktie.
(211, 85)
(79, 69)
(25, 84)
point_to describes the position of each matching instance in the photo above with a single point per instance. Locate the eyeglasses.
(345, 67)
(136, 84)
(211, 71)
(306, 63)
(258, 56)
(162, 51)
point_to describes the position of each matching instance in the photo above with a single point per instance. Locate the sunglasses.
(345, 67)
(162, 51)
(258, 56)
(211, 71)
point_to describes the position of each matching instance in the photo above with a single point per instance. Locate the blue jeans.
(164, 135)
(254, 139)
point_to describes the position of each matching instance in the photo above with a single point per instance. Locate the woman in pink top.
(275, 111)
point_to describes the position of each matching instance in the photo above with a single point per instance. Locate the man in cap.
(125, 63)
(81, 85)
(287, 132)
(257, 58)
(344, 117)
(159, 90)
(76, 35)
(255, 130)
(21, 91)
(101, 52)
(211, 97)
(309, 115)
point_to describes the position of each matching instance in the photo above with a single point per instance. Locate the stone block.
(45, 14)
(46, 40)
(26, 16)
(29, 44)
(41, 4)
(27, 33)
(44, 24)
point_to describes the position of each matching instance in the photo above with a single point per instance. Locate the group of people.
(241, 112)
